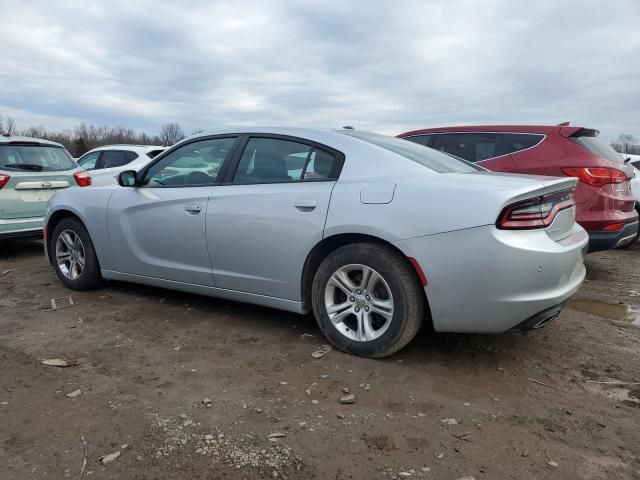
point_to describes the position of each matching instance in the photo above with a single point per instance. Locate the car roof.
(328, 136)
(126, 146)
(20, 139)
(543, 129)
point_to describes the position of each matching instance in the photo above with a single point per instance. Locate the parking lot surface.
(171, 385)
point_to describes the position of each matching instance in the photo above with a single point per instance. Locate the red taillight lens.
(538, 212)
(614, 227)
(597, 176)
(4, 179)
(83, 178)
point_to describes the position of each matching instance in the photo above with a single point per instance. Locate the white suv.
(105, 163)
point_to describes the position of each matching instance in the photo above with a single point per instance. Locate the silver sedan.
(374, 235)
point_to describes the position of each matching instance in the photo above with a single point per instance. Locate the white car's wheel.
(73, 255)
(367, 300)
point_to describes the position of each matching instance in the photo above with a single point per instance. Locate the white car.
(105, 163)
(634, 160)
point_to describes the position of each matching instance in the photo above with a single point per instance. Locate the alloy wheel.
(70, 254)
(359, 302)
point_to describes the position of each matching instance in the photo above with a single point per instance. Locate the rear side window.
(35, 158)
(271, 160)
(89, 161)
(421, 139)
(117, 158)
(514, 142)
(436, 161)
(587, 139)
(473, 147)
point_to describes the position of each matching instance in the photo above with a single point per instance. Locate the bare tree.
(171, 133)
(627, 144)
(11, 122)
(1, 125)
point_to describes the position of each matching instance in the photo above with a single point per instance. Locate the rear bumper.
(485, 280)
(607, 240)
(21, 227)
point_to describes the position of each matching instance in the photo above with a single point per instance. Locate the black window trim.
(235, 159)
(141, 175)
(432, 140)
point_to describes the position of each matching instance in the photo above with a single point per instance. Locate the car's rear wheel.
(367, 300)
(73, 255)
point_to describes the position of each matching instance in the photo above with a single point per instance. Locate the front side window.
(89, 161)
(34, 158)
(473, 147)
(117, 158)
(270, 160)
(192, 165)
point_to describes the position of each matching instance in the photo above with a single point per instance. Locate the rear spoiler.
(567, 132)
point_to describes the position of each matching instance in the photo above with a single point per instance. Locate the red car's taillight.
(83, 178)
(596, 176)
(538, 212)
(4, 179)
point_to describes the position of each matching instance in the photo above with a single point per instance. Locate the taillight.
(83, 178)
(4, 179)
(596, 176)
(538, 212)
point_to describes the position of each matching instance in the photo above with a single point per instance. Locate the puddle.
(614, 311)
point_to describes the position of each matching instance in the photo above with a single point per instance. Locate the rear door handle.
(305, 205)
(193, 209)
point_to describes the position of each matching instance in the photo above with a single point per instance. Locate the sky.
(386, 66)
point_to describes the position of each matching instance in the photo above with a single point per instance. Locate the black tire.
(403, 283)
(90, 277)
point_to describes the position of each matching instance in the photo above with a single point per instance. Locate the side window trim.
(235, 159)
(142, 174)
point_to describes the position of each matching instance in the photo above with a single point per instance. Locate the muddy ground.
(147, 358)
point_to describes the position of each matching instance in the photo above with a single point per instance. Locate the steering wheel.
(198, 178)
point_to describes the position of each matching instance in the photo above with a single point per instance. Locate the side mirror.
(128, 178)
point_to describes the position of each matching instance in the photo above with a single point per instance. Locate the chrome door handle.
(193, 209)
(305, 205)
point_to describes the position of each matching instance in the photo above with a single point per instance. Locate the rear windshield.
(597, 147)
(35, 158)
(437, 161)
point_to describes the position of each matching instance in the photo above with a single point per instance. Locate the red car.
(605, 206)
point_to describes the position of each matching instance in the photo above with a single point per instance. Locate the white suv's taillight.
(83, 178)
(537, 212)
(4, 179)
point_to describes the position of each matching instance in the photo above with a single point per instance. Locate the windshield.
(598, 147)
(35, 158)
(425, 156)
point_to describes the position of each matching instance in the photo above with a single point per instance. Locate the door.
(482, 148)
(264, 221)
(157, 229)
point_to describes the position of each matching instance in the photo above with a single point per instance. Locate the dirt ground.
(515, 405)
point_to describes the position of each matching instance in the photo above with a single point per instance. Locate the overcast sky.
(384, 66)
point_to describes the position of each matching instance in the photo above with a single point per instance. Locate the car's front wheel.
(73, 255)
(367, 300)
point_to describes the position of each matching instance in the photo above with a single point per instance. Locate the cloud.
(386, 66)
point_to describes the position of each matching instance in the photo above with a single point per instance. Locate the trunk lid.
(27, 193)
